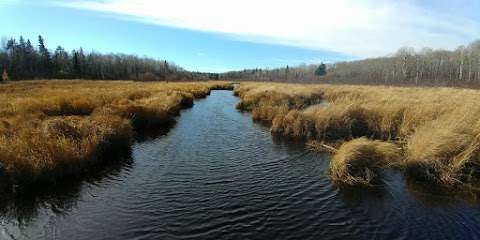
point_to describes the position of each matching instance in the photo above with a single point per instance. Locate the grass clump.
(57, 147)
(361, 160)
(445, 151)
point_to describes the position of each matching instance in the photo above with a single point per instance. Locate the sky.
(223, 35)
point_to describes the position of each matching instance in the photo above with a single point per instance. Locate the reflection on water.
(24, 205)
(437, 196)
(218, 175)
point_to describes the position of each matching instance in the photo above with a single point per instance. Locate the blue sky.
(220, 35)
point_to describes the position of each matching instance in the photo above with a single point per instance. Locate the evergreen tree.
(60, 63)
(12, 51)
(81, 63)
(287, 70)
(21, 64)
(30, 59)
(45, 66)
(321, 70)
(76, 64)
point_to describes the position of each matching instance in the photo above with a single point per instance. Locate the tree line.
(407, 67)
(21, 60)
(427, 67)
(300, 74)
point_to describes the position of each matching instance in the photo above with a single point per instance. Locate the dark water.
(218, 175)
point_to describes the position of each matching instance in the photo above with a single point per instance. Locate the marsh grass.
(437, 128)
(361, 160)
(50, 130)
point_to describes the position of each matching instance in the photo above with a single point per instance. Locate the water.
(218, 175)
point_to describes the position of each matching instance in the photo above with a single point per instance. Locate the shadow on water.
(150, 134)
(291, 143)
(393, 182)
(357, 195)
(279, 139)
(23, 203)
(61, 197)
(433, 196)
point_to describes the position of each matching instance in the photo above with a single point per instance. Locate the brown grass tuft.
(360, 161)
(445, 151)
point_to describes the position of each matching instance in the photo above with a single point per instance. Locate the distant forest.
(20, 60)
(428, 67)
(301, 74)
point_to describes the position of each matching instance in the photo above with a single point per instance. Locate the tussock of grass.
(61, 146)
(342, 121)
(361, 160)
(55, 129)
(445, 151)
(438, 127)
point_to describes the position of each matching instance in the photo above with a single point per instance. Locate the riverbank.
(51, 130)
(431, 133)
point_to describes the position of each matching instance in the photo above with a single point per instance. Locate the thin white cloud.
(359, 28)
(5, 2)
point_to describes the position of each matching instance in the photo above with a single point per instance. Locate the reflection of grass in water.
(356, 195)
(428, 195)
(147, 134)
(433, 196)
(438, 129)
(24, 204)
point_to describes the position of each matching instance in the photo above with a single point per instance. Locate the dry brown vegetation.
(55, 129)
(437, 128)
(359, 161)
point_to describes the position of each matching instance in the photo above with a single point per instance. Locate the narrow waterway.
(218, 175)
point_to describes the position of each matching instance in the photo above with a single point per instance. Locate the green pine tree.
(321, 70)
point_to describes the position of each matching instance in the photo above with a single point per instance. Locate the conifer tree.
(45, 66)
(321, 70)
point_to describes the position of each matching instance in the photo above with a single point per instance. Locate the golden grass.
(359, 161)
(55, 129)
(438, 128)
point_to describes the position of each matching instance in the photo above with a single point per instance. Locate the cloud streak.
(358, 28)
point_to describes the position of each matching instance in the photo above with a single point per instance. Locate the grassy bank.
(436, 129)
(55, 129)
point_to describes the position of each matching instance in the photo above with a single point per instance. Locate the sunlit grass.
(55, 129)
(437, 128)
